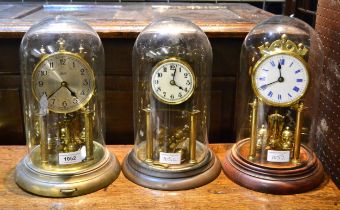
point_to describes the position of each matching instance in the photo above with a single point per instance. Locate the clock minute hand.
(266, 85)
(173, 76)
(54, 92)
(179, 86)
(172, 82)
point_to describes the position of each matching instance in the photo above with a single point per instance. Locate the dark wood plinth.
(283, 180)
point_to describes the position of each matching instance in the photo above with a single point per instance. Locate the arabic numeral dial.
(172, 81)
(66, 80)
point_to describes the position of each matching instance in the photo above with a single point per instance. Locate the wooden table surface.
(123, 194)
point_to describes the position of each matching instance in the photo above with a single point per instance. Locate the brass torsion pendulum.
(277, 138)
(149, 140)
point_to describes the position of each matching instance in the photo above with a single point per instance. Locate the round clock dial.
(280, 79)
(173, 81)
(65, 79)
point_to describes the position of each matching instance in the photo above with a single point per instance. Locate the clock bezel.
(84, 62)
(178, 60)
(263, 59)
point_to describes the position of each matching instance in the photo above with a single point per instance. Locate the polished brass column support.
(297, 134)
(193, 136)
(252, 151)
(149, 140)
(43, 140)
(88, 134)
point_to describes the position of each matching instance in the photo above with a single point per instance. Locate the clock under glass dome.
(277, 101)
(62, 68)
(172, 60)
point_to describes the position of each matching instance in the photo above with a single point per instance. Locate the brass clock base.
(275, 180)
(171, 179)
(67, 184)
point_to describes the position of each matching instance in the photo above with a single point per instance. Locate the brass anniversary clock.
(62, 68)
(278, 99)
(172, 73)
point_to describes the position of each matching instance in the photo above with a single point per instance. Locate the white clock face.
(280, 79)
(173, 81)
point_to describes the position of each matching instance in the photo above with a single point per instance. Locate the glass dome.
(62, 68)
(277, 99)
(172, 61)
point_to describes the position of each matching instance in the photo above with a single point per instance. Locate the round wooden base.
(171, 179)
(298, 179)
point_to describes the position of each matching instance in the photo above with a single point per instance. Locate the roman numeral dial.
(280, 79)
(173, 81)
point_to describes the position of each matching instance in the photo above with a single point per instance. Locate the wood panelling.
(225, 24)
(9, 57)
(11, 122)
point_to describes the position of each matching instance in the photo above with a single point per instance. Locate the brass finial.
(42, 50)
(283, 45)
(61, 43)
(81, 50)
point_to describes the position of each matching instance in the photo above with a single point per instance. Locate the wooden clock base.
(192, 177)
(275, 180)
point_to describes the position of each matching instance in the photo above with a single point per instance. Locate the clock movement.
(62, 67)
(172, 60)
(277, 97)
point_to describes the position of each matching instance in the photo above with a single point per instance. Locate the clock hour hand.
(72, 92)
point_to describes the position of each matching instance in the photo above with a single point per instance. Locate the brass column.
(297, 133)
(252, 151)
(88, 134)
(149, 141)
(43, 140)
(193, 136)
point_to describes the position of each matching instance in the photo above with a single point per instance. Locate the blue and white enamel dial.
(280, 79)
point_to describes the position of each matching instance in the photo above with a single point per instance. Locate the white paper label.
(278, 156)
(70, 157)
(170, 158)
